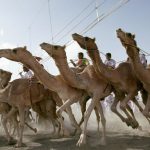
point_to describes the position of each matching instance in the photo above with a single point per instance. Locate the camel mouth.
(42, 44)
(75, 35)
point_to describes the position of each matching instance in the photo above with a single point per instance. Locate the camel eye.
(55, 47)
(86, 38)
(14, 51)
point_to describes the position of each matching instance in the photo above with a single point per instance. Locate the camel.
(96, 86)
(54, 83)
(20, 94)
(123, 79)
(5, 77)
(142, 73)
(45, 108)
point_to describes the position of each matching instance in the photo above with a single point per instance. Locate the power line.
(73, 19)
(50, 20)
(81, 21)
(95, 21)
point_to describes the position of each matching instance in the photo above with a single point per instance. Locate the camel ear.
(64, 46)
(94, 39)
(25, 48)
(133, 36)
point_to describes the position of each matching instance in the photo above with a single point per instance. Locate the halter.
(127, 44)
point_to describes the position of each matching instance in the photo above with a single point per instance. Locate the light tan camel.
(96, 86)
(128, 41)
(45, 108)
(123, 79)
(19, 94)
(68, 94)
(5, 77)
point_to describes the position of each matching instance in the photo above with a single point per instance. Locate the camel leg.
(138, 105)
(82, 139)
(135, 122)
(72, 119)
(53, 125)
(126, 99)
(97, 115)
(131, 120)
(83, 109)
(103, 120)
(140, 108)
(144, 95)
(16, 125)
(4, 122)
(58, 124)
(147, 107)
(114, 110)
(30, 127)
(21, 128)
(123, 106)
(59, 112)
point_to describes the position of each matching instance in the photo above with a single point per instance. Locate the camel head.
(85, 42)
(15, 54)
(19, 54)
(5, 77)
(128, 41)
(55, 51)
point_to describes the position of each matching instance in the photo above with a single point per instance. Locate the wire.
(81, 21)
(76, 17)
(96, 21)
(50, 20)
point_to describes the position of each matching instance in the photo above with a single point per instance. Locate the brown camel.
(45, 108)
(123, 79)
(67, 93)
(94, 85)
(5, 77)
(20, 94)
(142, 73)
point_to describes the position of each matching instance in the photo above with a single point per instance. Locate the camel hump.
(19, 86)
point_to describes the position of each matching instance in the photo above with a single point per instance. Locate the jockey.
(82, 62)
(26, 73)
(143, 60)
(109, 61)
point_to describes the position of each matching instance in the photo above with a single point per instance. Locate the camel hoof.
(134, 124)
(140, 128)
(82, 140)
(35, 130)
(103, 141)
(146, 113)
(127, 121)
(11, 141)
(18, 145)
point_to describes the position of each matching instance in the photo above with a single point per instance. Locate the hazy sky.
(27, 22)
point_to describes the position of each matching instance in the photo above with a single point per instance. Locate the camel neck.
(71, 77)
(141, 72)
(100, 66)
(47, 79)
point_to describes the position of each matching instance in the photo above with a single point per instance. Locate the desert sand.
(119, 136)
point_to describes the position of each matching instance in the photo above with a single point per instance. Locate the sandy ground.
(119, 137)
